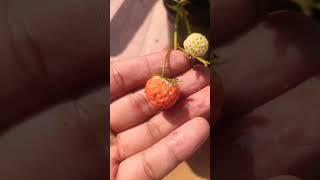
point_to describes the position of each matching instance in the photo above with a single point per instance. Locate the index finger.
(130, 74)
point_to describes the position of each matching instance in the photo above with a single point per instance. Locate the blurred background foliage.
(308, 7)
(199, 13)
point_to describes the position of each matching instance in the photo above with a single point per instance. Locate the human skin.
(146, 143)
(53, 70)
(57, 135)
(270, 120)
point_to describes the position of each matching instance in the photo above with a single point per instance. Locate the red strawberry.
(162, 92)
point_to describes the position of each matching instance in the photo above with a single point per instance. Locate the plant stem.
(175, 33)
(206, 63)
(181, 14)
(165, 62)
(186, 21)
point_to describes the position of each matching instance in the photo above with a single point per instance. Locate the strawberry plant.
(163, 92)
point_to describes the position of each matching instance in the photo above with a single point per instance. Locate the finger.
(137, 107)
(285, 177)
(288, 124)
(164, 123)
(45, 57)
(280, 61)
(258, 71)
(130, 74)
(163, 157)
(230, 17)
(63, 142)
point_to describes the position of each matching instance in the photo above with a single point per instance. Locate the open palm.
(145, 143)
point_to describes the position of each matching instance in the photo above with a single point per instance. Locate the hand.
(52, 65)
(147, 144)
(270, 123)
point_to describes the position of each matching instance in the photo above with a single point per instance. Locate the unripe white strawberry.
(196, 45)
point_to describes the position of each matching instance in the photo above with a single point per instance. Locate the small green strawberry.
(196, 45)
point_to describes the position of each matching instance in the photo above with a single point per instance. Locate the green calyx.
(172, 81)
(205, 62)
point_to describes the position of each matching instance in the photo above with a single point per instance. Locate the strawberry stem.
(164, 63)
(186, 21)
(202, 60)
(175, 33)
(205, 62)
(181, 14)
